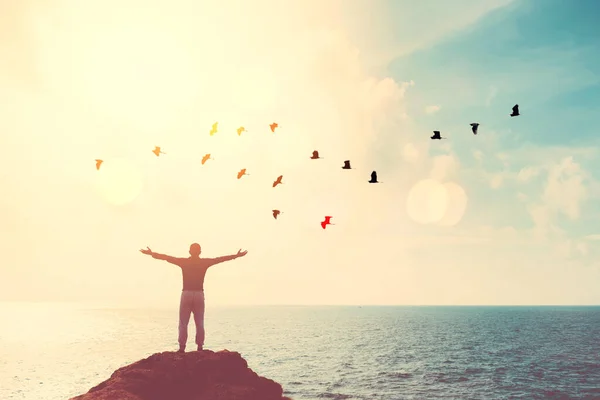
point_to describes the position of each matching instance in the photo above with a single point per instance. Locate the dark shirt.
(193, 269)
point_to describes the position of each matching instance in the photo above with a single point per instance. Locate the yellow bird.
(240, 130)
(242, 173)
(214, 129)
(206, 158)
(98, 164)
(157, 151)
(278, 181)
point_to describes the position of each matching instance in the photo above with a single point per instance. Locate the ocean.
(54, 352)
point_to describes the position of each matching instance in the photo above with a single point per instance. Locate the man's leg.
(199, 318)
(185, 309)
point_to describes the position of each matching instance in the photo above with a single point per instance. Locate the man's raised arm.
(219, 260)
(158, 256)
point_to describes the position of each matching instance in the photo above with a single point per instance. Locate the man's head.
(195, 250)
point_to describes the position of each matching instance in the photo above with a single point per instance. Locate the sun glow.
(119, 181)
(432, 202)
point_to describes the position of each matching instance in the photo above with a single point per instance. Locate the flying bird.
(213, 130)
(326, 222)
(242, 173)
(157, 151)
(346, 165)
(98, 164)
(278, 181)
(373, 177)
(206, 158)
(437, 135)
(273, 126)
(474, 127)
(315, 155)
(515, 111)
(276, 213)
(240, 130)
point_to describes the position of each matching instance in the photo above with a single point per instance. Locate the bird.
(437, 135)
(278, 181)
(315, 155)
(273, 126)
(326, 222)
(206, 158)
(346, 165)
(242, 173)
(276, 213)
(240, 130)
(474, 127)
(98, 164)
(157, 151)
(515, 111)
(213, 130)
(373, 177)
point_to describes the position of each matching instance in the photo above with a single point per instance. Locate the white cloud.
(432, 109)
(478, 155)
(426, 22)
(443, 166)
(522, 197)
(496, 181)
(527, 173)
(410, 153)
(563, 193)
(565, 188)
(491, 96)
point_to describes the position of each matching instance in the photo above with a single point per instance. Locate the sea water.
(50, 351)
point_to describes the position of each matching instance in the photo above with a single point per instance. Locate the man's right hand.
(147, 251)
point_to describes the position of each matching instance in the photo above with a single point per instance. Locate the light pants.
(192, 301)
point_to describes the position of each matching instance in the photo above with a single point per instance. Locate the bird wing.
(515, 108)
(374, 176)
(327, 220)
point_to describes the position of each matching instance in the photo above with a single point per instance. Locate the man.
(193, 269)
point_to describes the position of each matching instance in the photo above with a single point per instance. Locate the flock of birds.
(315, 156)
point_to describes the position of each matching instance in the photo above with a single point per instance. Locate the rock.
(196, 375)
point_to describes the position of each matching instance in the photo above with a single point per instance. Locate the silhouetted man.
(193, 269)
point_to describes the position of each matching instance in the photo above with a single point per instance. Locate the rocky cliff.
(201, 375)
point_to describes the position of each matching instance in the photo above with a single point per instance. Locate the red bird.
(326, 222)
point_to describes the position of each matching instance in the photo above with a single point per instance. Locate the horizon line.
(154, 305)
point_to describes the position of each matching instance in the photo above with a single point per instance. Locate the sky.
(505, 217)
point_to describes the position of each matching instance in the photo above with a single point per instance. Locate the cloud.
(410, 153)
(443, 167)
(563, 193)
(496, 181)
(425, 23)
(565, 188)
(491, 96)
(522, 197)
(432, 109)
(527, 173)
